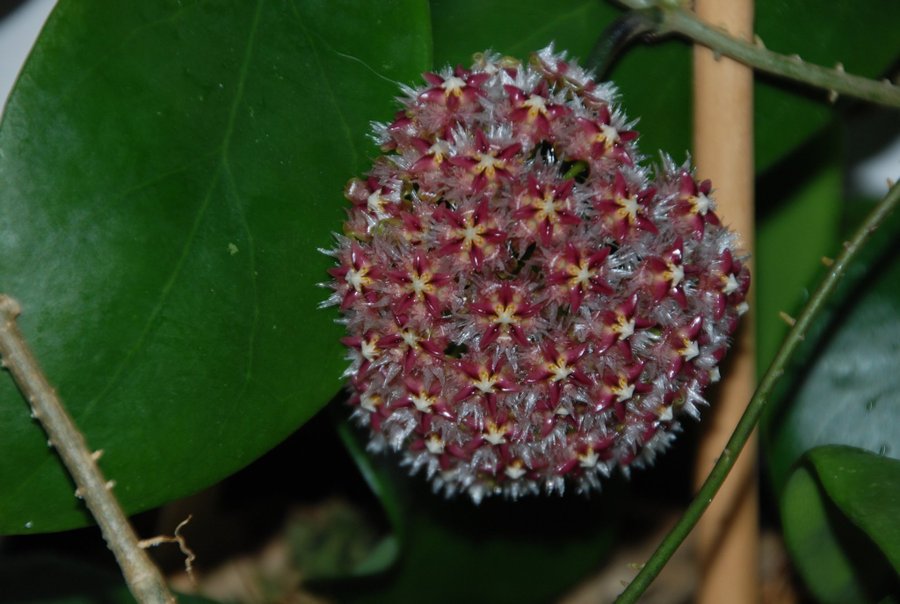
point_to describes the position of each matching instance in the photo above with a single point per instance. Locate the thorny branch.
(143, 577)
(662, 17)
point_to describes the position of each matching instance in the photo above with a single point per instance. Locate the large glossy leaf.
(168, 171)
(655, 80)
(839, 510)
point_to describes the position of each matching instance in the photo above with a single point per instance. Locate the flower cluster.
(526, 304)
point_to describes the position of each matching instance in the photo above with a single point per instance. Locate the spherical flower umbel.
(527, 305)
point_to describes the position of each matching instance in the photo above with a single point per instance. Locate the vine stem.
(757, 403)
(669, 17)
(142, 576)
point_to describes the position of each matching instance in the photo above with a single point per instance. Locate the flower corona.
(527, 305)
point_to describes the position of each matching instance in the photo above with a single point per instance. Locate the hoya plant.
(464, 245)
(524, 302)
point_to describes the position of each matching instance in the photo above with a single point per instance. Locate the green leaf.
(380, 476)
(866, 488)
(168, 172)
(531, 550)
(847, 389)
(826, 501)
(337, 541)
(655, 79)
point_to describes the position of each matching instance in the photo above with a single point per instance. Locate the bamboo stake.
(728, 534)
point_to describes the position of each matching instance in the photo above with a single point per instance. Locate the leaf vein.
(167, 287)
(345, 126)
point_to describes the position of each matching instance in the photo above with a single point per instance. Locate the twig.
(669, 17)
(189, 555)
(756, 405)
(144, 579)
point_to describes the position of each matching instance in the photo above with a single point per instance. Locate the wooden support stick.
(728, 534)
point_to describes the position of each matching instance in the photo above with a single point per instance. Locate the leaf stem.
(143, 577)
(670, 17)
(757, 403)
(616, 36)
